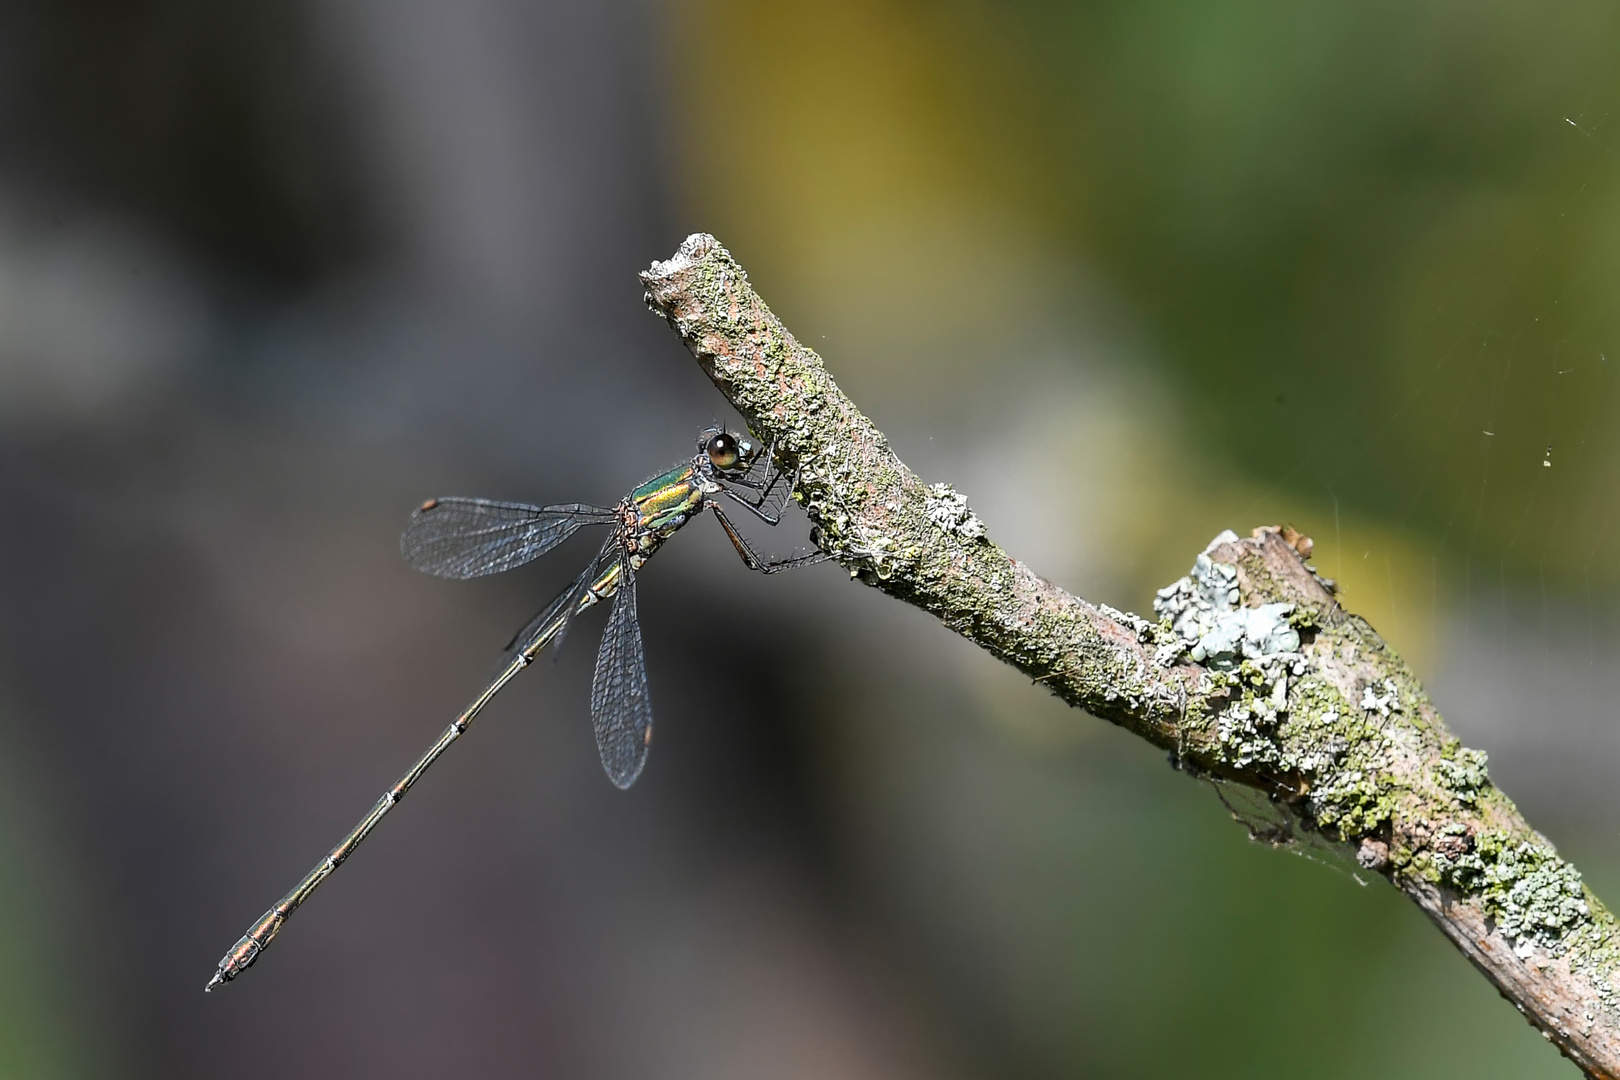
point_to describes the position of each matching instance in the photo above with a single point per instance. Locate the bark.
(1250, 673)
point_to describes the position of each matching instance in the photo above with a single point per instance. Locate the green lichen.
(1463, 772)
(1592, 950)
(1291, 694)
(1245, 730)
(1353, 801)
(1534, 896)
(1278, 715)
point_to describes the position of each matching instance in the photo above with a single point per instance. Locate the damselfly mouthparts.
(467, 538)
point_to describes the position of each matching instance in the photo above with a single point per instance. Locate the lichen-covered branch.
(1251, 673)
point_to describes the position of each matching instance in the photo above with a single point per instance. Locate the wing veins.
(465, 538)
(621, 711)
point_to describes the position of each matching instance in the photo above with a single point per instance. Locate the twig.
(1252, 674)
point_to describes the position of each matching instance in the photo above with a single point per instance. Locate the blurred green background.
(1354, 265)
(1126, 274)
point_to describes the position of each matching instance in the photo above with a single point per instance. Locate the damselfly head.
(727, 452)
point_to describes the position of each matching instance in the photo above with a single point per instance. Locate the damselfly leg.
(769, 510)
(466, 538)
(773, 492)
(751, 558)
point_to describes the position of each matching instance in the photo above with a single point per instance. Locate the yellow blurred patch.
(879, 166)
(1395, 580)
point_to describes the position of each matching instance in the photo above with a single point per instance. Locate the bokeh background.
(1125, 273)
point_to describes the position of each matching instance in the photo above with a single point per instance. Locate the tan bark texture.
(1249, 672)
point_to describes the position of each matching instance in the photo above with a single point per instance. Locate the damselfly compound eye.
(722, 451)
(468, 538)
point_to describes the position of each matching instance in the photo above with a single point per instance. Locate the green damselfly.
(467, 538)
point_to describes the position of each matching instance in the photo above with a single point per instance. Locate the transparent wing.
(551, 625)
(467, 538)
(1273, 823)
(621, 711)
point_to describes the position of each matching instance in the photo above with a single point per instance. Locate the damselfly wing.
(464, 538)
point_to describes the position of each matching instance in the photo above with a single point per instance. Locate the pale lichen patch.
(948, 509)
(1463, 771)
(1534, 896)
(1203, 609)
(1281, 714)
(1253, 674)
(1381, 703)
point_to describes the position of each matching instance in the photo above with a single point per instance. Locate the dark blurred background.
(1126, 273)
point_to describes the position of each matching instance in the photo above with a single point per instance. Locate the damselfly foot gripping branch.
(467, 538)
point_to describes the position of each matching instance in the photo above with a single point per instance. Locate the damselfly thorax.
(467, 538)
(654, 511)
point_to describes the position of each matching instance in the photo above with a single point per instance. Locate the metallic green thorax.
(644, 519)
(651, 514)
(661, 506)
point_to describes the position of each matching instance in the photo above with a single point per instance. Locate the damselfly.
(467, 538)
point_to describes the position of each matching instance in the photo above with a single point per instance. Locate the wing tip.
(624, 774)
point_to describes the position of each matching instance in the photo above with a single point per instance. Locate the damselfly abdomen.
(467, 538)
